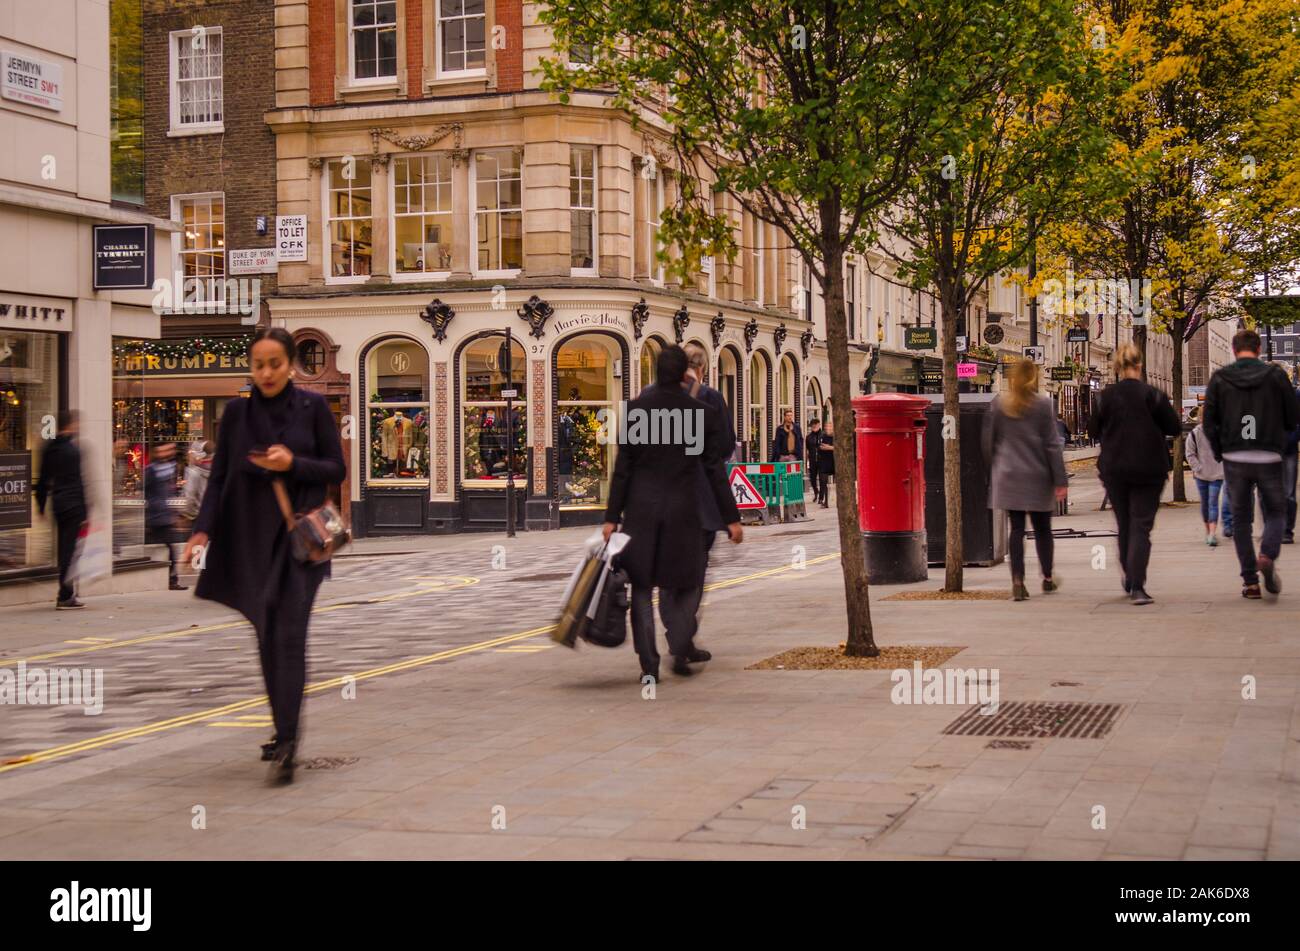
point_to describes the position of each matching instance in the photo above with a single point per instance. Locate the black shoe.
(1124, 582)
(268, 750)
(1272, 580)
(681, 668)
(177, 586)
(1139, 596)
(1288, 539)
(1227, 533)
(698, 656)
(1019, 592)
(1050, 585)
(71, 604)
(282, 764)
(1251, 591)
(652, 674)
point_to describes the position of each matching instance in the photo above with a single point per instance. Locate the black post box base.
(895, 557)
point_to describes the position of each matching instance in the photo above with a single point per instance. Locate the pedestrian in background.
(826, 459)
(60, 483)
(279, 432)
(160, 487)
(197, 473)
(1131, 421)
(1289, 458)
(1023, 443)
(812, 455)
(652, 493)
(1208, 473)
(1250, 410)
(787, 444)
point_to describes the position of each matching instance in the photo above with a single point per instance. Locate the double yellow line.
(108, 739)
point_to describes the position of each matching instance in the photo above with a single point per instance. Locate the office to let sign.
(291, 238)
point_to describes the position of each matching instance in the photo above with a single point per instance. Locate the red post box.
(890, 433)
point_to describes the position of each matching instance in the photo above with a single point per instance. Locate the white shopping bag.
(93, 558)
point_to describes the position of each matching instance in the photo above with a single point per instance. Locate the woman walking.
(1131, 422)
(1023, 443)
(1208, 473)
(279, 433)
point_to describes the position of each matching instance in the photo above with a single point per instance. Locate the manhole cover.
(1039, 719)
(328, 762)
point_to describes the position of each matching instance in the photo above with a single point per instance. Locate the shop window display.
(397, 375)
(486, 436)
(585, 368)
(29, 394)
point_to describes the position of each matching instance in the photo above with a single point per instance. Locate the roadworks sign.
(746, 496)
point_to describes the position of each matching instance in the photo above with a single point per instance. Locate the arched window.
(813, 399)
(787, 386)
(650, 351)
(586, 392)
(760, 430)
(397, 406)
(485, 445)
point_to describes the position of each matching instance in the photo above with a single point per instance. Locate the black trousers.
(823, 476)
(1044, 544)
(164, 535)
(282, 644)
(1243, 479)
(815, 485)
(676, 609)
(1135, 515)
(67, 528)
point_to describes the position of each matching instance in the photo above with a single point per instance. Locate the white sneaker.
(1212, 540)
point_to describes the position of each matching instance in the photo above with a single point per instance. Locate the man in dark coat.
(159, 517)
(668, 437)
(787, 444)
(812, 452)
(60, 482)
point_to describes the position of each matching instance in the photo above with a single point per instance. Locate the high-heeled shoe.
(282, 763)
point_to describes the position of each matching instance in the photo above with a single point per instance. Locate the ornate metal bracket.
(536, 311)
(438, 315)
(751, 334)
(680, 321)
(805, 344)
(640, 314)
(779, 335)
(716, 326)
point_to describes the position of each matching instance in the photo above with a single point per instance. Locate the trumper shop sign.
(202, 362)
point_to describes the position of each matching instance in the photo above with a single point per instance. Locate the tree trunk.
(1176, 397)
(951, 423)
(860, 641)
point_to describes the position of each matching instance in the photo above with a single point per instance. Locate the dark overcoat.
(248, 564)
(653, 494)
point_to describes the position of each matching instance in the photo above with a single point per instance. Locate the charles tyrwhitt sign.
(123, 257)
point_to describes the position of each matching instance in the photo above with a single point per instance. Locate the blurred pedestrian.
(1023, 444)
(284, 433)
(1208, 473)
(1289, 458)
(1131, 420)
(653, 494)
(197, 474)
(812, 455)
(1250, 410)
(60, 483)
(826, 460)
(787, 444)
(1062, 428)
(160, 487)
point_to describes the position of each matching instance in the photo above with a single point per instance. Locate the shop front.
(449, 411)
(896, 373)
(33, 388)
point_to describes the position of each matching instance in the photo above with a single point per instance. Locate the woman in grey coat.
(1022, 442)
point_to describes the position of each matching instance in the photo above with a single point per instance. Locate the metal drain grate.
(1039, 719)
(328, 762)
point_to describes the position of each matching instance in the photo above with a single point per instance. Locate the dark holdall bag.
(608, 625)
(314, 536)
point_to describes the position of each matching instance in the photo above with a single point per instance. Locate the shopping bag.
(578, 608)
(93, 557)
(607, 615)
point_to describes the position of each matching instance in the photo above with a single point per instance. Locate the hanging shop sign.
(15, 490)
(123, 257)
(291, 238)
(259, 261)
(1077, 335)
(920, 338)
(967, 370)
(30, 80)
(1063, 374)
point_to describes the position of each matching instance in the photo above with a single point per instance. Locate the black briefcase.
(608, 626)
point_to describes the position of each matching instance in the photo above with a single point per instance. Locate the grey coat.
(1025, 453)
(1201, 457)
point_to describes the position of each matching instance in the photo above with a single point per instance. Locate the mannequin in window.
(396, 435)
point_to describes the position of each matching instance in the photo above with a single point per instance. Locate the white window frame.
(386, 80)
(406, 276)
(655, 200)
(178, 241)
(594, 152)
(442, 73)
(175, 126)
(713, 261)
(757, 258)
(327, 243)
(475, 211)
(851, 298)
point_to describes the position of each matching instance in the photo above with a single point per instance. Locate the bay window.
(422, 215)
(582, 209)
(349, 227)
(498, 215)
